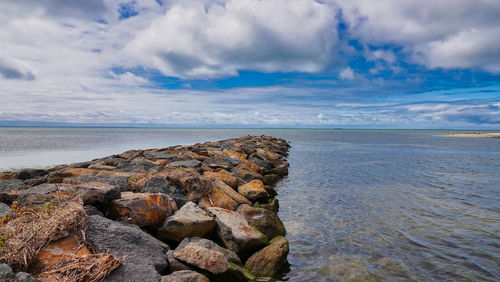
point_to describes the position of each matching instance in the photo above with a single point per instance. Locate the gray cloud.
(14, 69)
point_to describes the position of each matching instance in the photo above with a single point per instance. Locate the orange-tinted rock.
(216, 153)
(7, 176)
(253, 190)
(244, 172)
(223, 176)
(257, 168)
(231, 192)
(190, 181)
(79, 172)
(217, 198)
(142, 209)
(189, 221)
(204, 258)
(269, 260)
(56, 250)
(237, 154)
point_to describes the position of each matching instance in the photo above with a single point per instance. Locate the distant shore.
(475, 135)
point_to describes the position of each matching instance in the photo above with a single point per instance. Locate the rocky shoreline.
(475, 135)
(205, 212)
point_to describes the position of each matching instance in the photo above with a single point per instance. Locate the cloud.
(194, 39)
(347, 74)
(15, 69)
(458, 34)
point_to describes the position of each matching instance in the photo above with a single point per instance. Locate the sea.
(358, 205)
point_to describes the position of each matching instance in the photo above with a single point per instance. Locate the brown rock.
(253, 190)
(142, 209)
(185, 276)
(79, 172)
(271, 179)
(217, 198)
(223, 176)
(264, 220)
(190, 181)
(269, 260)
(189, 221)
(246, 173)
(204, 258)
(230, 192)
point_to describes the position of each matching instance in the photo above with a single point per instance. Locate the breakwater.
(205, 211)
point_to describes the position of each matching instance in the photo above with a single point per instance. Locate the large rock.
(235, 231)
(240, 199)
(203, 258)
(230, 255)
(129, 272)
(188, 164)
(28, 173)
(190, 181)
(7, 275)
(5, 210)
(264, 220)
(185, 276)
(246, 173)
(188, 221)
(224, 176)
(253, 190)
(119, 181)
(158, 184)
(11, 184)
(142, 209)
(269, 260)
(217, 198)
(138, 166)
(281, 170)
(122, 239)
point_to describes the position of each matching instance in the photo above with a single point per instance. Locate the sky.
(251, 63)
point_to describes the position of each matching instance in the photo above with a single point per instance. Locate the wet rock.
(54, 251)
(28, 173)
(204, 258)
(235, 272)
(281, 170)
(253, 190)
(138, 166)
(130, 272)
(7, 275)
(190, 181)
(230, 255)
(225, 177)
(185, 276)
(240, 199)
(158, 184)
(11, 185)
(235, 231)
(270, 179)
(122, 239)
(273, 205)
(188, 164)
(188, 221)
(142, 209)
(264, 220)
(5, 210)
(269, 260)
(217, 198)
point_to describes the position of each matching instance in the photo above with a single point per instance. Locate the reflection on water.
(357, 205)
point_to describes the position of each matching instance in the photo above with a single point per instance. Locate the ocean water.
(358, 204)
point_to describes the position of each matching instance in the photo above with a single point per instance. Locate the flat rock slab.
(204, 258)
(225, 177)
(240, 199)
(188, 163)
(269, 260)
(190, 220)
(142, 209)
(122, 239)
(253, 190)
(218, 198)
(158, 184)
(235, 231)
(185, 276)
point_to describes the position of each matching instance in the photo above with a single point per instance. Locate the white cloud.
(196, 39)
(14, 69)
(446, 34)
(347, 74)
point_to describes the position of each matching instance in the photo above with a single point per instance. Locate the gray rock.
(160, 156)
(189, 221)
(281, 170)
(185, 276)
(158, 184)
(120, 181)
(11, 184)
(188, 164)
(230, 255)
(264, 220)
(91, 192)
(5, 210)
(138, 166)
(7, 275)
(177, 265)
(215, 163)
(28, 173)
(129, 272)
(91, 210)
(129, 240)
(247, 175)
(235, 231)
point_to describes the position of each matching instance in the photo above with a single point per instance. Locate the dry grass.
(81, 268)
(22, 237)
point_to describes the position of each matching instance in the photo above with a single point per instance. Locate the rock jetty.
(205, 212)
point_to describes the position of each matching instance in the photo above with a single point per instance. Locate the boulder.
(216, 163)
(142, 209)
(160, 156)
(273, 205)
(264, 220)
(235, 231)
(281, 170)
(177, 265)
(185, 276)
(246, 174)
(188, 164)
(188, 221)
(203, 258)
(230, 255)
(240, 199)
(223, 176)
(271, 179)
(158, 184)
(122, 239)
(28, 173)
(138, 166)
(11, 185)
(6, 211)
(217, 198)
(269, 260)
(79, 172)
(119, 181)
(235, 272)
(7, 275)
(130, 272)
(253, 190)
(190, 181)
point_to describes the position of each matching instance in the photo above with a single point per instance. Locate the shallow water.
(358, 204)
